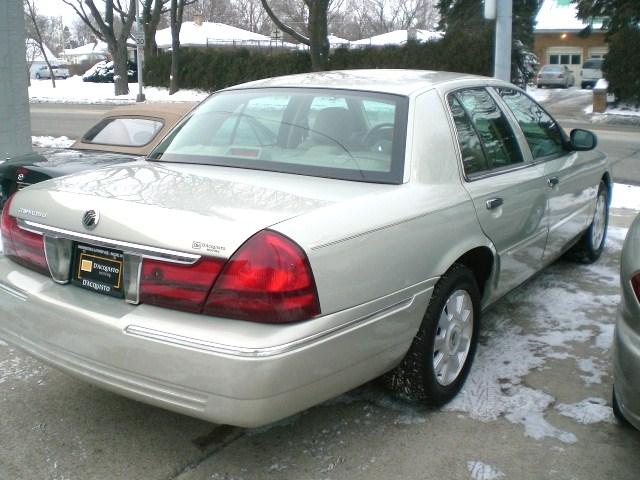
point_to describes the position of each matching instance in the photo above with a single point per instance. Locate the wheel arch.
(606, 178)
(480, 261)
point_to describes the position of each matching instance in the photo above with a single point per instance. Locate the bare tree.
(176, 10)
(151, 14)
(30, 11)
(316, 30)
(112, 27)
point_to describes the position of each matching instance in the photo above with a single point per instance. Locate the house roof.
(88, 49)
(397, 37)
(35, 55)
(211, 33)
(561, 15)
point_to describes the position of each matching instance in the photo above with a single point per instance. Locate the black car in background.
(102, 72)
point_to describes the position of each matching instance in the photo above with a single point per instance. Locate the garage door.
(569, 56)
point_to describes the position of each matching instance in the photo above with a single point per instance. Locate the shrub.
(213, 69)
(622, 64)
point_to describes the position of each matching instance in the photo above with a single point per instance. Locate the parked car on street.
(102, 72)
(124, 134)
(59, 72)
(591, 72)
(295, 237)
(555, 76)
(626, 358)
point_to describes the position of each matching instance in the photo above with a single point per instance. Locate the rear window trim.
(398, 157)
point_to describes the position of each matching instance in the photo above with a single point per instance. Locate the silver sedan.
(626, 359)
(296, 237)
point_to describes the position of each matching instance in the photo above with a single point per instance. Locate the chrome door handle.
(494, 203)
(553, 181)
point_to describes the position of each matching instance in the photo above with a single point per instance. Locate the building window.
(575, 59)
(554, 59)
(565, 59)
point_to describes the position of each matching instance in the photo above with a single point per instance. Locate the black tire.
(588, 249)
(416, 377)
(616, 409)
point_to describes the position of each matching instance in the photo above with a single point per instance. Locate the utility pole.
(502, 12)
(139, 52)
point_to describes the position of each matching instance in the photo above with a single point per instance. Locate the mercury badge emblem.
(90, 219)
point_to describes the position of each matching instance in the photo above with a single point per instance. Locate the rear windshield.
(551, 68)
(329, 133)
(597, 64)
(124, 131)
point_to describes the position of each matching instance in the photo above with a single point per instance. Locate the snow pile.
(540, 95)
(74, 90)
(625, 196)
(51, 142)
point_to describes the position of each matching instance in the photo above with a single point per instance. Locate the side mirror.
(582, 140)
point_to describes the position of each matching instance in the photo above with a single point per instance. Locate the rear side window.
(541, 131)
(124, 131)
(498, 140)
(473, 158)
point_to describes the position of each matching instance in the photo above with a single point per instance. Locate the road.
(59, 119)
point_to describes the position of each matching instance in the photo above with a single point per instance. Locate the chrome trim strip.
(127, 247)
(220, 348)
(19, 294)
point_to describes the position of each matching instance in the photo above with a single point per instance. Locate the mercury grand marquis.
(295, 237)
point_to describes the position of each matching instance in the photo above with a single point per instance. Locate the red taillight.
(268, 279)
(177, 286)
(635, 284)
(22, 246)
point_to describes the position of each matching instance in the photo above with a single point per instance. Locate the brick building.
(558, 39)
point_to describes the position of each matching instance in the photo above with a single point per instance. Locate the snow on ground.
(481, 471)
(625, 196)
(74, 90)
(51, 142)
(589, 410)
(540, 95)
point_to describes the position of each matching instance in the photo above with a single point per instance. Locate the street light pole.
(139, 52)
(502, 58)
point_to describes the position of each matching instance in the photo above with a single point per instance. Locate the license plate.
(98, 269)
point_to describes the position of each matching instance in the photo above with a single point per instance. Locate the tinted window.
(596, 64)
(473, 158)
(541, 131)
(322, 132)
(498, 140)
(128, 132)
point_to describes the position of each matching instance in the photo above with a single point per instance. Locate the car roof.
(399, 82)
(170, 113)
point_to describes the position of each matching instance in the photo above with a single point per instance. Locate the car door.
(572, 181)
(507, 189)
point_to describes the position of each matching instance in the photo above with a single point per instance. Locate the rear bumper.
(224, 371)
(626, 365)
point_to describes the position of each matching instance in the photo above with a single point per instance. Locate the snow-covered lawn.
(74, 90)
(51, 142)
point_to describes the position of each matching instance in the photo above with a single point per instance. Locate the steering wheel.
(382, 131)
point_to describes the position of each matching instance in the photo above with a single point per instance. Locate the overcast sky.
(56, 8)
